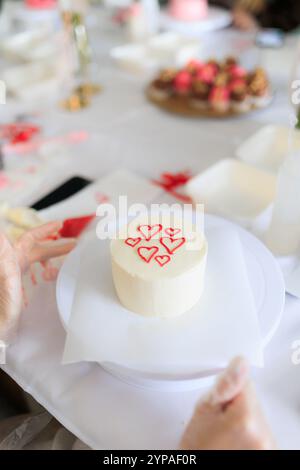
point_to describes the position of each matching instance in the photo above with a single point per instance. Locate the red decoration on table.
(149, 231)
(133, 241)
(172, 244)
(101, 198)
(32, 146)
(18, 133)
(171, 181)
(147, 252)
(162, 259)
(72, 228)
(4, 180)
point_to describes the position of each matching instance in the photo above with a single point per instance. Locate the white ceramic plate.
(269, 293)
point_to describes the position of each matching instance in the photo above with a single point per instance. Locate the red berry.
(237, 71)
(183, 81)
(208, 73)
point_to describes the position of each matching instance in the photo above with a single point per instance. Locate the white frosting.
(161, 276)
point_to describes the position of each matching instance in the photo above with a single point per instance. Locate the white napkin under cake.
(223, 325)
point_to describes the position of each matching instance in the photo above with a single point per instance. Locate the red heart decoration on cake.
(172, 231)
(133, 241)
(162, 259)
(172, 244)
(147, 252)
(149, 231)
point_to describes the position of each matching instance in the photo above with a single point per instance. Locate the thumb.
(229, 384)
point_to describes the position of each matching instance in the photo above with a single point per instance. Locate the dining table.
(125, 131)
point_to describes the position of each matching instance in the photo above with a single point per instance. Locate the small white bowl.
(32, 80)
(161, 50)
(164, 43)
(268, 147)
(172, 49)
(233, 190)
(22, 44)
(133, 58)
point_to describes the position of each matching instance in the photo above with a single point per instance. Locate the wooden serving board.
(180, 106)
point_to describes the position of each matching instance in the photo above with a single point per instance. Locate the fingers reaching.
(36, 245)
(42, 232)
(50, 272)
(47, 251)
(229, 384)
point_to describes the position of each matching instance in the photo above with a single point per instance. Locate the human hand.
(34, 246)
(229, 417)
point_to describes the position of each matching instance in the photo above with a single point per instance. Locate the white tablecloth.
(125, 131)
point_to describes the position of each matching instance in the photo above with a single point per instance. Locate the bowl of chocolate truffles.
(211, 89)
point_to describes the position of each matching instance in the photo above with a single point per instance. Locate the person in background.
(249, 15)
(229, 417)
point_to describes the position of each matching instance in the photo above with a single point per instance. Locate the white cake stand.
(269, 293)
(217, 18)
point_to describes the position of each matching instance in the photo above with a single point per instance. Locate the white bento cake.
(158, 268)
